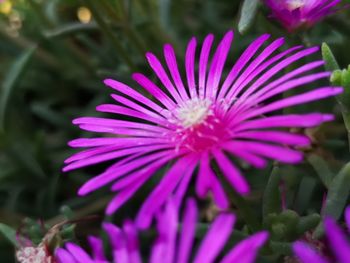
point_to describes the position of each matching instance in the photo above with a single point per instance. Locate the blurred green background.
(54, 55)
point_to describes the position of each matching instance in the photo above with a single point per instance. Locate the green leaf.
(328, 57)
(307, 223)
(13, 76)
(248, 14)
(272, 195)
(9, 233)
(321, 168)
(337, 196)
(305, 192)
(70, 29)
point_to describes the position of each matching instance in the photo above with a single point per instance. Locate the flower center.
(295, 4)
(194, 112)
(200, 125)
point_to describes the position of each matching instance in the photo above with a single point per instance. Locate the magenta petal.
(217, 65)
(188, 231)
(170, 58)
(215, 238)
(246, 250)
(231, 173)
(63, 256)
(337, 240)
(78, 253)
(240, 63)
(97, 248)
(203, 61)
(347, 217)
(307, 254)
(162, 191)
(121, 87)
(189, 65)
(162, 75)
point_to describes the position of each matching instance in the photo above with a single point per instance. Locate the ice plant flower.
(294, 14)
(169, 246)
(338, 242)
(208, 119)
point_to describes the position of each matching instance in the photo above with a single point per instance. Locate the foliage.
(51, 71)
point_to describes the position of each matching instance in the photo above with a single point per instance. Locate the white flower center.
(194, 112)
(295, 4)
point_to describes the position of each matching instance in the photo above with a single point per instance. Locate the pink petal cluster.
(338, 241)
(206, 119)
(294, 14)
(169, 246)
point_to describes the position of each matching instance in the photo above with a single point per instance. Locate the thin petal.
(313, 95)
(215, 238)
(240, 63)
(246, 250)
(347, 217)
(159, 195)
(203, 61)
(251, 71)
(121, 87)
(188, 231)
(78, 253)
(282, 154)
(63, 256)
(241, 152)
(118, 171)
(170, 58)
(118, 242)
(96, 245)
(217, 65)
(207, 181)
(291, 120)
(276, 137)
(231, 173)
(337, 240)
(162, 75)
(152, 88)
(129, 190)
(306, 254)
(189, 65)
(132, 241)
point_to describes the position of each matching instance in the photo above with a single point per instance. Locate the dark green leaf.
(9, 233)
(328, 57)
(321, 168)
(11, 81)
(337, 196)
(272, 195)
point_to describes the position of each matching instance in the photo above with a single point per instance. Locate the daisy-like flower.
(169, 246)
(338, 242)
(204, 121)
(294, 14)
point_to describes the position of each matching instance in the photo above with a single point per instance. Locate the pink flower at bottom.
(169, 246)
(206, 120)
(293, 14)
(338, 241)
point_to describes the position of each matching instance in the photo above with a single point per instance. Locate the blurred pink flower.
(294, 14)
(169, 246)
(207, 120)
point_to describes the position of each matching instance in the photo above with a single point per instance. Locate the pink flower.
(169, 246)
(338, 241)
(205, 120)
(294, 14)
